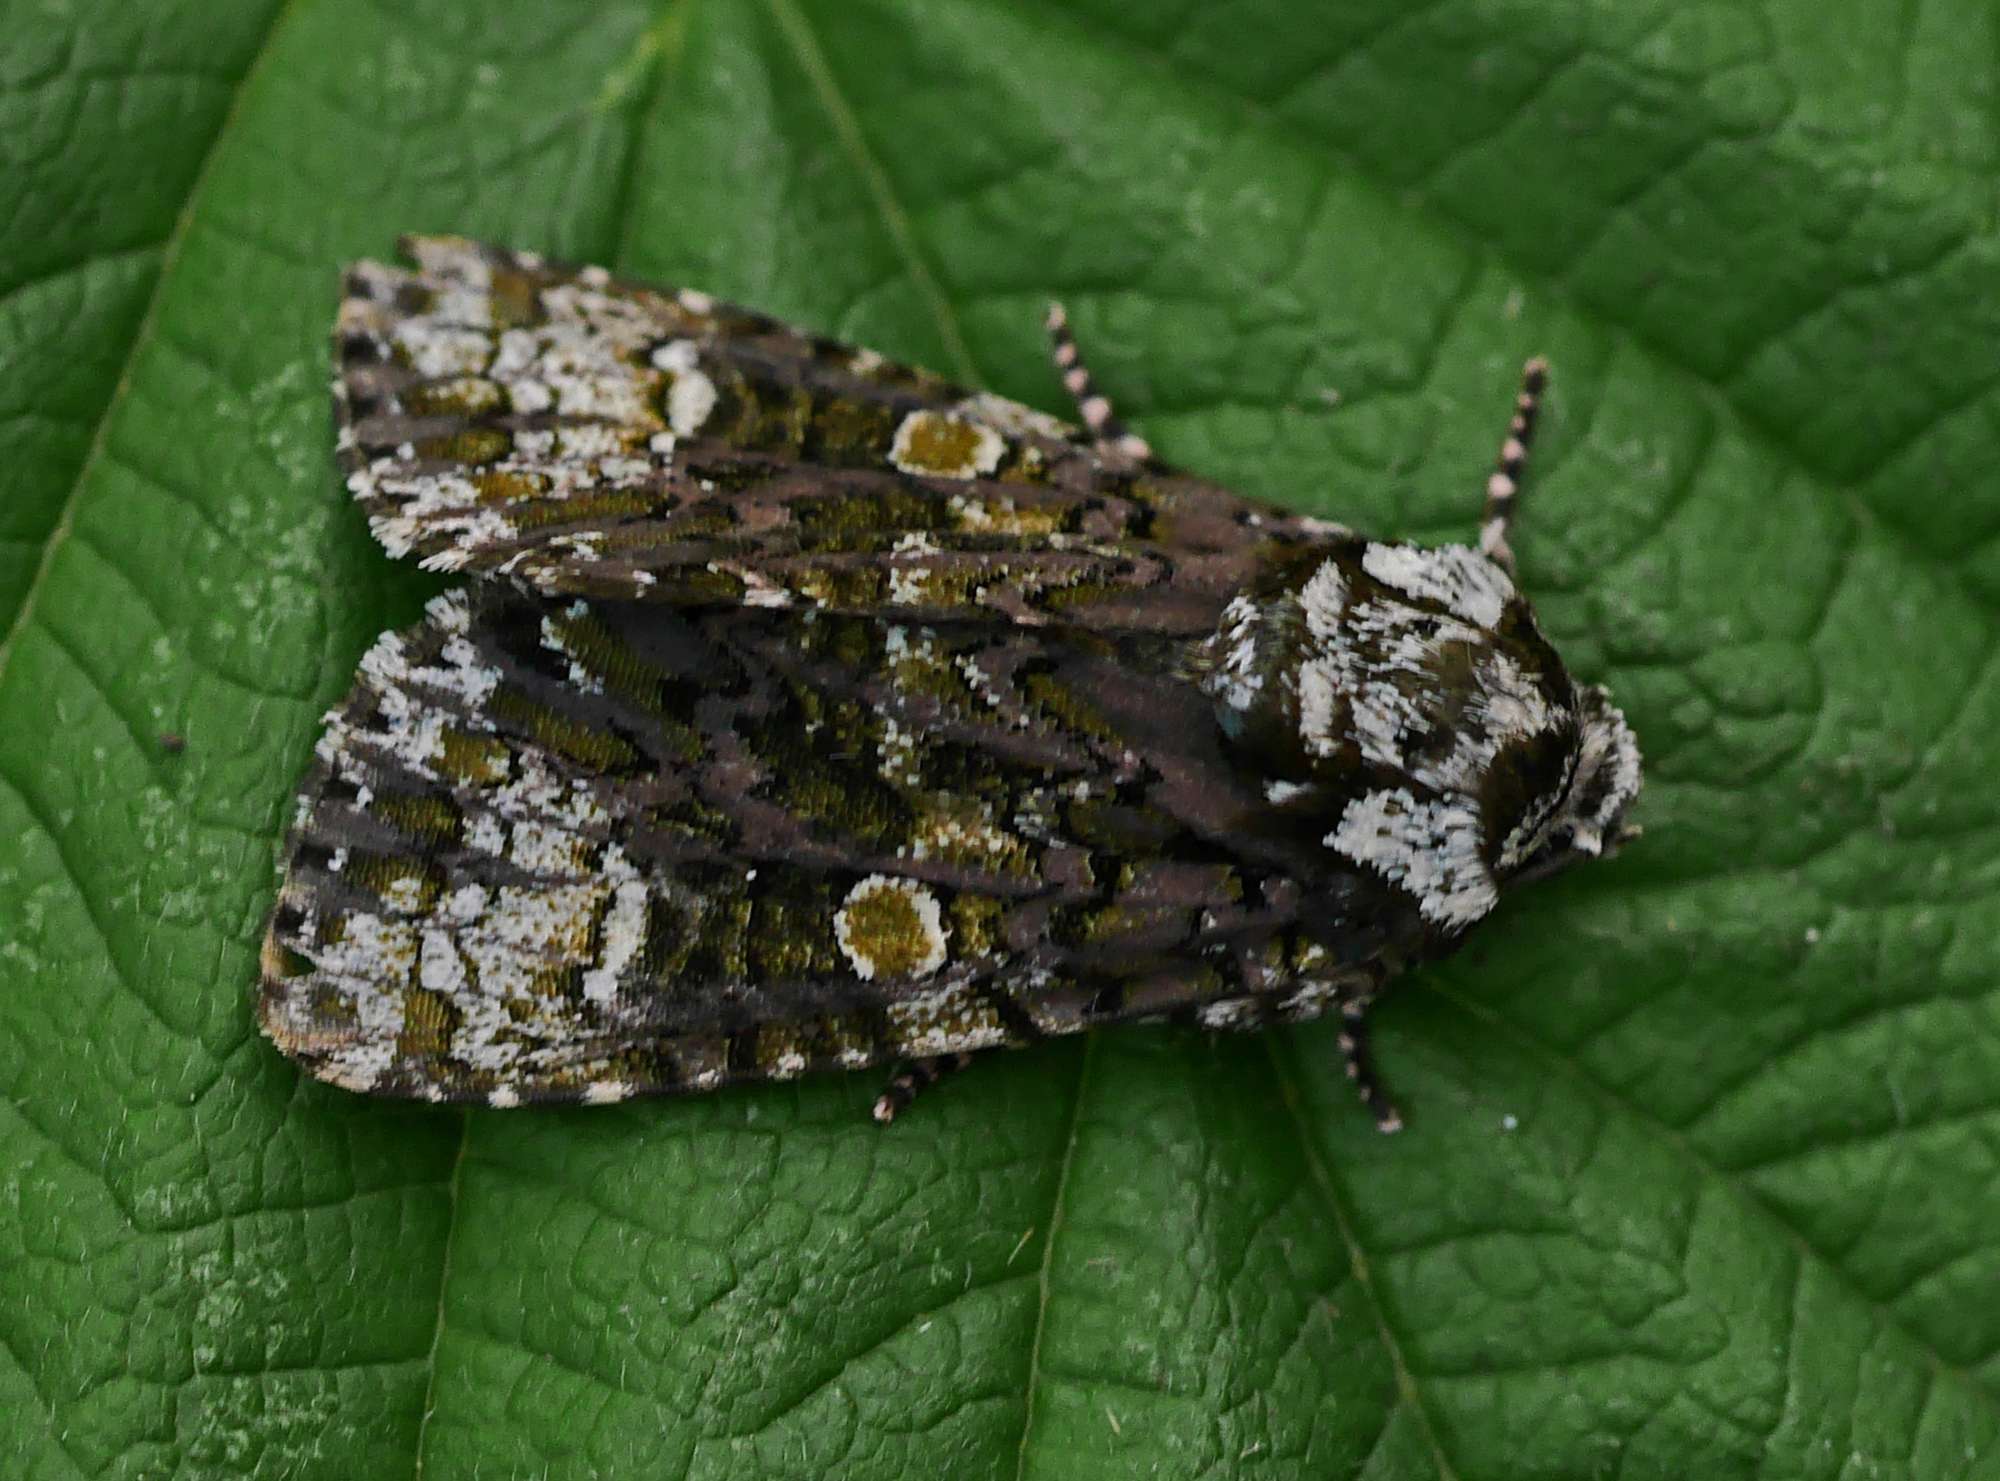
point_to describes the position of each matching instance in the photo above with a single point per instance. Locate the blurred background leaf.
(1703, 1175)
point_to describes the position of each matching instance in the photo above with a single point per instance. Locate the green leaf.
(1703, 1172)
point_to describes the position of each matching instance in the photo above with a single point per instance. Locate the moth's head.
(1401, 702)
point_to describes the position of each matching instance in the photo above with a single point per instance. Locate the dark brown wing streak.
(581, 851)
(605, 438)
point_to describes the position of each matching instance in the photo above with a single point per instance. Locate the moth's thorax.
(1403, 699)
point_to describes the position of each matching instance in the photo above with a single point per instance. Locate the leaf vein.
(1406, 1384)
(1720, 1176)
(1048, 1256)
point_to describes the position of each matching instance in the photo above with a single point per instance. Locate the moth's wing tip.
(363, 324)
(369, 282)
(282, 1011)
(278, 965)
(418, 257)
(322, 1047)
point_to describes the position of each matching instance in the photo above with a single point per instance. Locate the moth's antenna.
(1113, 441)
(1505, 483)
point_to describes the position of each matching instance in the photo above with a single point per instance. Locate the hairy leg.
(912, 1081)
(1361, 1065)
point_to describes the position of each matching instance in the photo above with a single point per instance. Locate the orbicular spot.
(891, 928)
(938, 445)
(691, 395)
(689, 402)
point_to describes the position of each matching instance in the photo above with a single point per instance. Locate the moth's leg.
(1361, 1064)
(1504, 484)
(1113, 439)
(912, 1081)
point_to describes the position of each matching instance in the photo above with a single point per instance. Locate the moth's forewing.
(594, 436)
(559, 850)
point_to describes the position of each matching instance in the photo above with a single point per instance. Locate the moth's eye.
(1607, 778)
(1588, 819)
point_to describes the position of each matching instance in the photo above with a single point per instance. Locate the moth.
(809, 712)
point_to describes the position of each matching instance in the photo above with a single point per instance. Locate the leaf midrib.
(452, 1188)
(812, 60)
(1056, 1206)
(1357, 1257)
(170, 251)
(901, 233)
